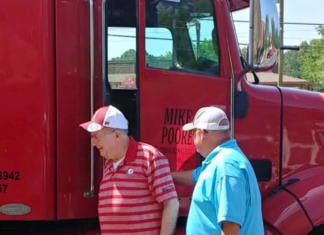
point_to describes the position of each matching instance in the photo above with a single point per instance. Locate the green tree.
(275, 34)
(244, 53)
(207, 50)
(308, 63)
(167, 56)
(312, 61)
(292, 66)
(129, 55)
(320, 30)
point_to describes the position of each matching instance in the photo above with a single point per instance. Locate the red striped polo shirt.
(131, 196)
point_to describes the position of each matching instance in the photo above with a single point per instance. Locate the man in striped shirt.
(137, 194)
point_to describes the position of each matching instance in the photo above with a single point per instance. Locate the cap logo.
(106, 123)
(130, 171)
(94, 127)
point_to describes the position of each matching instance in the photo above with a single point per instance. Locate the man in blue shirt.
(226, 199)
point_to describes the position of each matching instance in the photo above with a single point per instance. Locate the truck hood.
(303, 130)
(303, 99)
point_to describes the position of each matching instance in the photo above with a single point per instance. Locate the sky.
(295, 11)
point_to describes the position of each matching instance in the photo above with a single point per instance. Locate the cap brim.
(91, 126)
(188, 127)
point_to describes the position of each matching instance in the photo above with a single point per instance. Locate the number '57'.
(3, 188)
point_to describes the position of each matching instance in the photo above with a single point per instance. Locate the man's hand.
(183, 177)
(230, 228)
(169, 217)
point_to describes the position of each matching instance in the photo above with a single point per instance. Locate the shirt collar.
(228, 144)
(131, 153)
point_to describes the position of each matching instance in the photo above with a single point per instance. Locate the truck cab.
(158, 62)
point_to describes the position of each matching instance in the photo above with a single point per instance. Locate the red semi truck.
(158, 62)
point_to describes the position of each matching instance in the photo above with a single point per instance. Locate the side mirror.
(264, 40)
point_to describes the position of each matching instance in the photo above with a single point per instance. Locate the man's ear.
(118, 134)
(202, 135)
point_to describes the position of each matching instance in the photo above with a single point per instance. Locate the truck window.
(121, 62)
(161, 57)
(185, 36)
(121, 44)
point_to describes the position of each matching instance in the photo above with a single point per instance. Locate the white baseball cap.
(107, 116)
(208, 118)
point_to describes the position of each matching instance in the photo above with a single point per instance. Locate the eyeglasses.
(97, 137)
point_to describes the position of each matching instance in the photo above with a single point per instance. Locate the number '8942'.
(13, 175)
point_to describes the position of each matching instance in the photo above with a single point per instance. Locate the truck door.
(179, 72)
(27, 151)
(163, 64)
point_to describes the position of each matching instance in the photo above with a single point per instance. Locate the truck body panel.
(27, 170)
(72, 107)
(309, 192)
(284, 213)
(302, 113)
(258, 133)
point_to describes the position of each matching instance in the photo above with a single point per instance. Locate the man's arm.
(169, 217)
(230, 228)
(183, 177)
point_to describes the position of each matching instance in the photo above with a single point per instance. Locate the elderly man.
(137, 193)
(226, 199)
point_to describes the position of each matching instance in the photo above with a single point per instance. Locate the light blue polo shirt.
(226, 190)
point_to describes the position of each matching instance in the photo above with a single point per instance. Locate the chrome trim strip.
(90, 193)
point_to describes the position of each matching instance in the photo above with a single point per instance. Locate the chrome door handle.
(90, 193)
